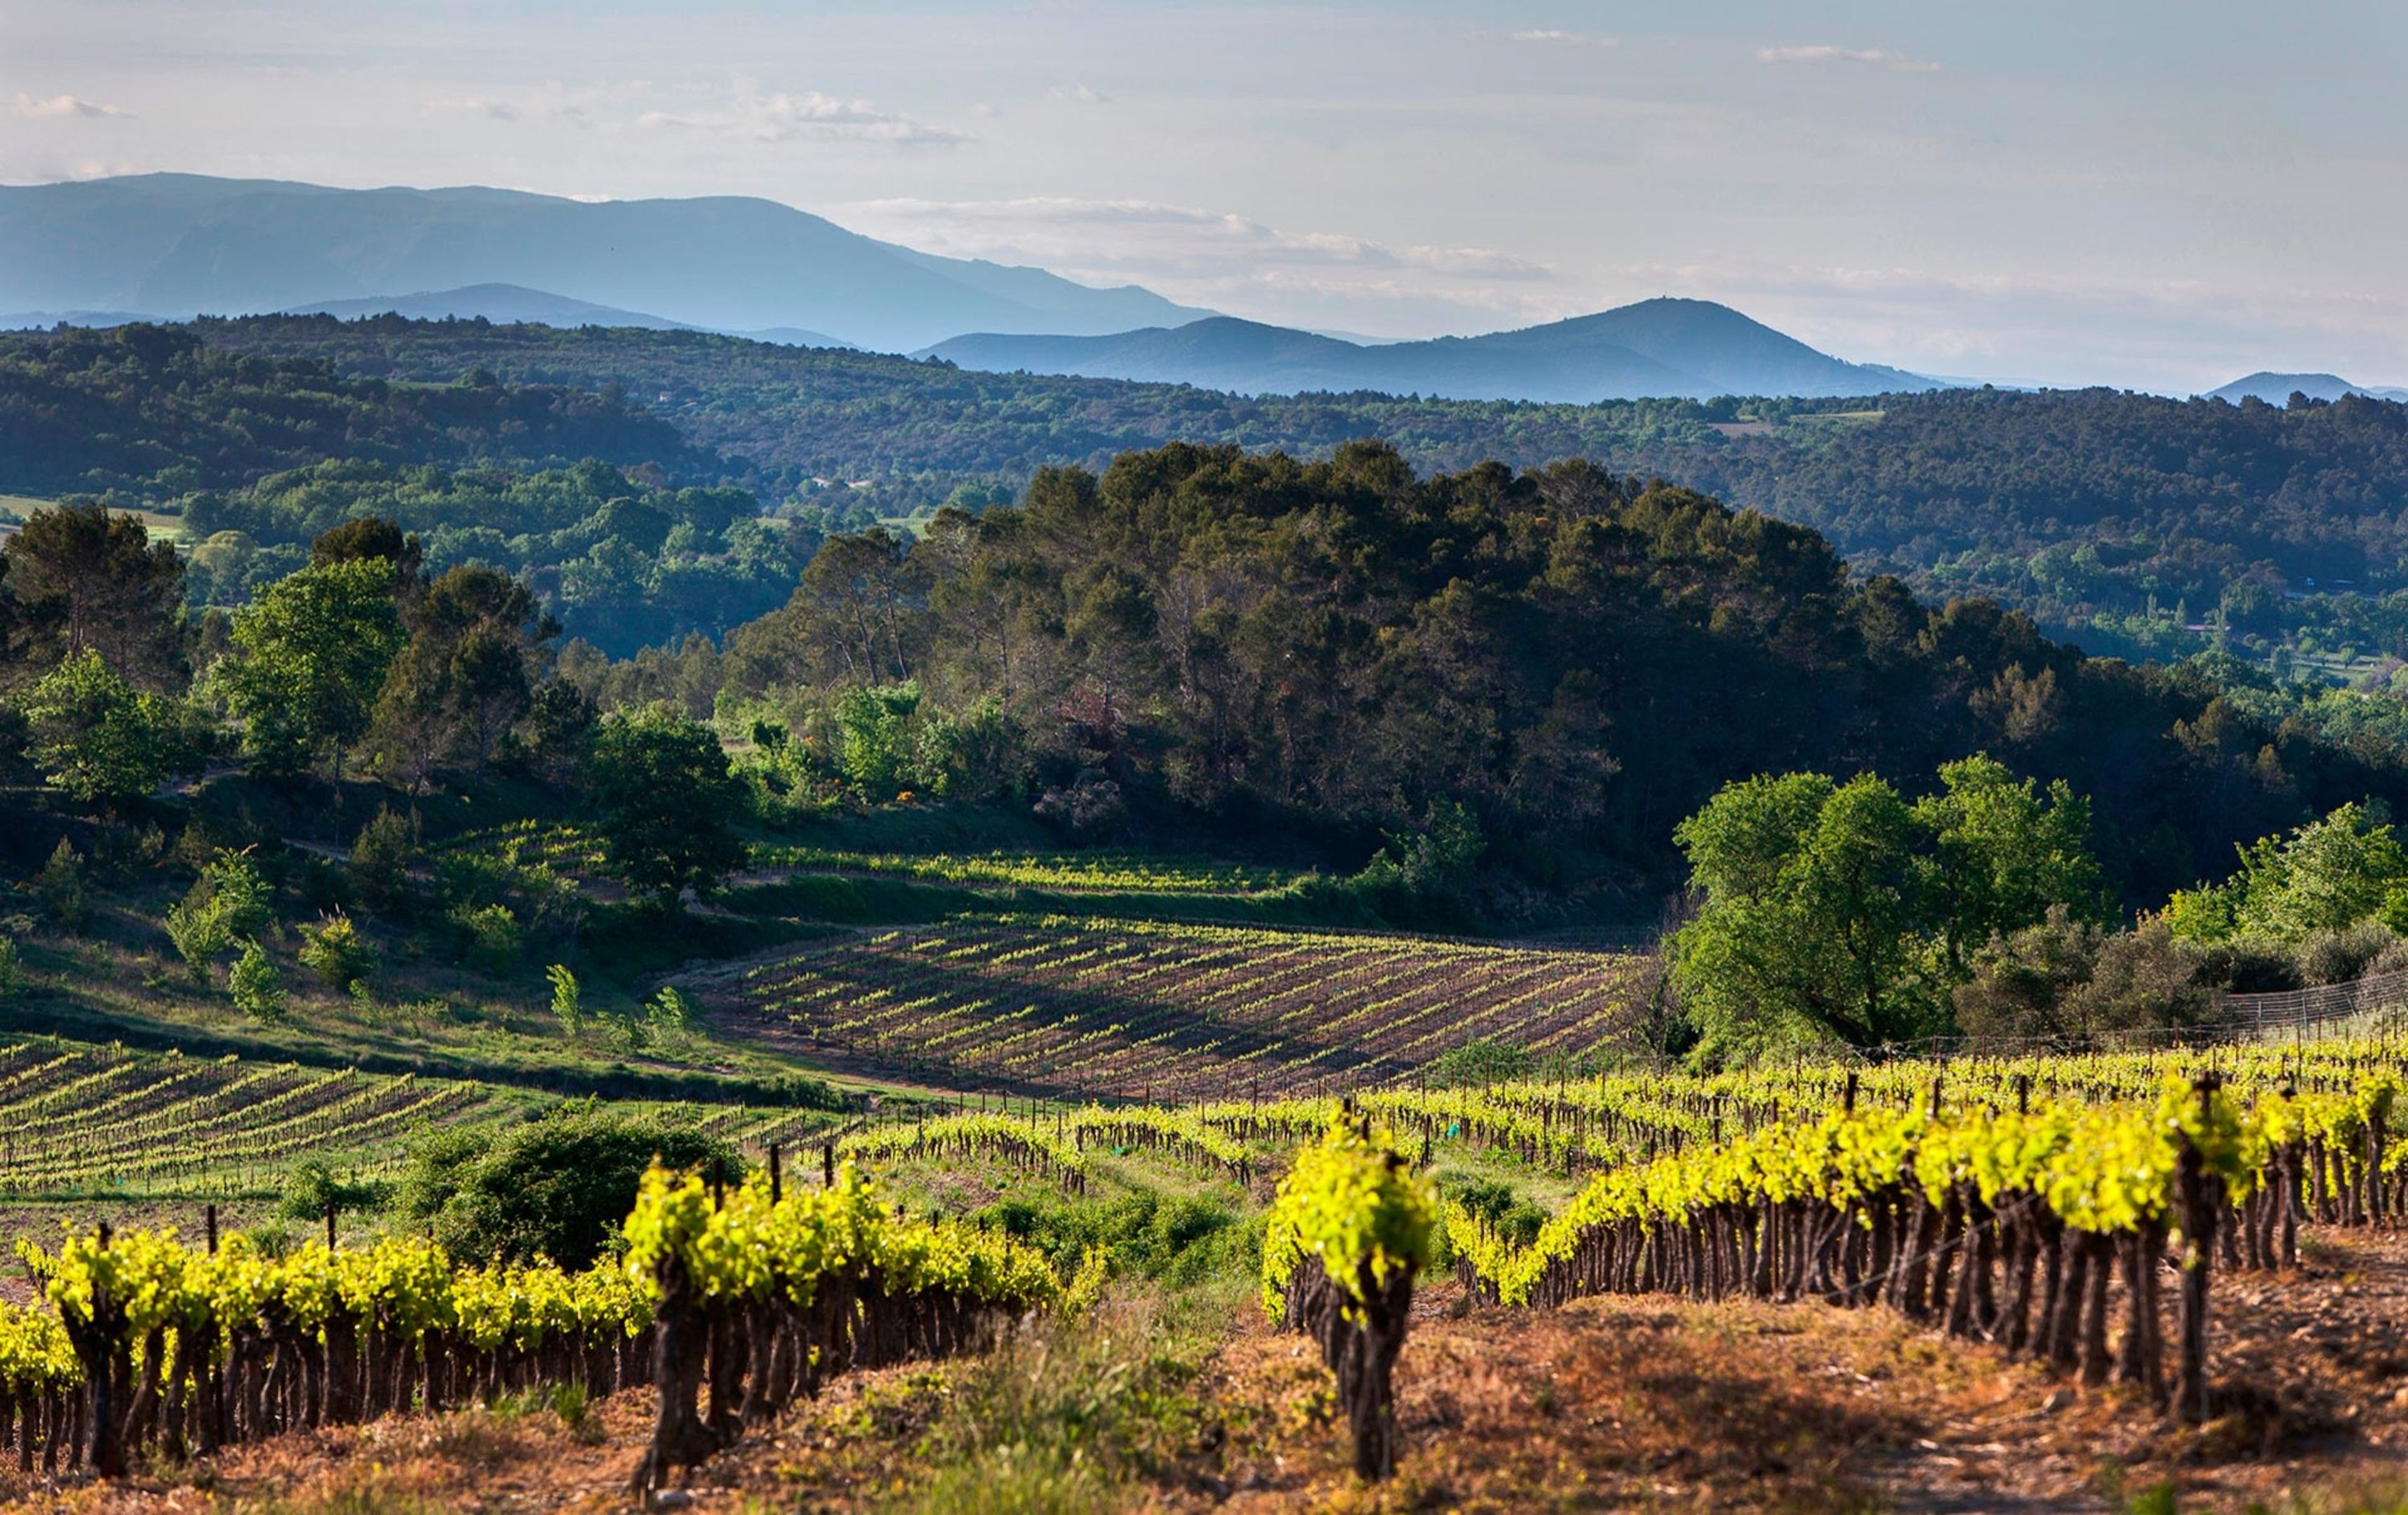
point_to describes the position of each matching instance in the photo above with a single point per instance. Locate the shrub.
(381, 856)
(567, 1004)
(315, 1189)
(556, 1187)
(258, 989)
(65, 888)
(12, 967)
(337, 953)
(228, 903)
(490, 937)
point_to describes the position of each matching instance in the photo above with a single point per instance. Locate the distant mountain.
(1657, 348)
(2277, 389)
(174, 245)
(33, 320)
(500, 302)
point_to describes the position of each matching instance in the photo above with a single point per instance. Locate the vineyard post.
(330, 1225)
(827, 1164)
(210, 1222)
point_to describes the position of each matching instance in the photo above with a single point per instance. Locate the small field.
(1079, 1006)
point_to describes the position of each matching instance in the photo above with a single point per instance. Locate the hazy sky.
(2155, 194)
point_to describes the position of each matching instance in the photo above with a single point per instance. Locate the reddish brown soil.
(1617, 1403)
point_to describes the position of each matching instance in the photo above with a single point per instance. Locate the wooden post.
(212, 1223)
(777, 1179)
(330, 1225)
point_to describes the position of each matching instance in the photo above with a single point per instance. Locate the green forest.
(2135, 525)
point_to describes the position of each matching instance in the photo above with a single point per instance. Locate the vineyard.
(2099, 1217)
(1071, 1007)
(85, 1122)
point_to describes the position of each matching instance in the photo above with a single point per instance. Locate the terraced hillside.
(1061, 1006)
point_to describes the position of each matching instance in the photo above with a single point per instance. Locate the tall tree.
(97, 737)
(658, 786)
(2002, 855)
(311, 654)
(466, 678)
(85, 580)
(1809, 929)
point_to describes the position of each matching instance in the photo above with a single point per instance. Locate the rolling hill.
(2277, 389)
(176, 245)
(1657, 348)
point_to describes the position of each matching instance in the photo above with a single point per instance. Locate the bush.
(315, 1189)
(2338, 957)
(12, 967)
(65, 888)
(2144, 979)
(2023, 984)
(568, 1002)
(489, 937)
(337, 953)
(228, 903)
(381, 857)
(258, 989)
(558, 1186)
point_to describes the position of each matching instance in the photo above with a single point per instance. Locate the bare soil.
(1638, 1404)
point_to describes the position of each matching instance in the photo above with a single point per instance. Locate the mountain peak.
(1665, 347)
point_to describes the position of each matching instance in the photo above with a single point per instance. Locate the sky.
(2146, 193)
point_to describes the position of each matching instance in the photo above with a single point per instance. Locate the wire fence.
(2302, 1008)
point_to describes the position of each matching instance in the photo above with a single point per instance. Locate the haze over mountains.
(2277, 389)
(1655, 348)
(171, 246)
(176, 244)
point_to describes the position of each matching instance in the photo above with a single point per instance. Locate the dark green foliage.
(1478, 1061)
(381, 857)
(64, 888)
(85, 580)
(1494, 1201)
(465, 678)
(153, 412)
(97, 737)
(662, 799)
(316, 1188)
(1575, 659)
(555, 1187)
(624, 560)
(1838, 910)
(311, 653)
(1180, 1238)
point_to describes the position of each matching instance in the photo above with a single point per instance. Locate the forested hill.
(149, 413)
(2083, 507)
(2131, 523)
(792, 414)
(2080, 503)
(1580, 659)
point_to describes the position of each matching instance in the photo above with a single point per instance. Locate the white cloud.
(1823, 53)
(808, 116)
(491, 110)
(1548, 38)
(69, 105)
(1230, 261)
(1080, 95)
